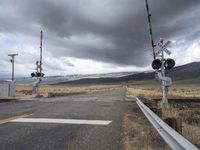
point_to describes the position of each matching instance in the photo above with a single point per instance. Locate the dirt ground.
(139, 134)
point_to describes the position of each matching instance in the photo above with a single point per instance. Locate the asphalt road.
(109, 106)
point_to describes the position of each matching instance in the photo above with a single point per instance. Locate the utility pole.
(12, 60)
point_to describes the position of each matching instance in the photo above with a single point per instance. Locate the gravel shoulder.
(139, 134)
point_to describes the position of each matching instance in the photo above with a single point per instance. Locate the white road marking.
(64, 121)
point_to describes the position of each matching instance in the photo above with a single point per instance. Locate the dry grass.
(190, 120)
(144, 92)
(192, 133)
(23, 91)
(26, 90)
(190, 116)
(185, 92)
(156, 92)
(152, 89)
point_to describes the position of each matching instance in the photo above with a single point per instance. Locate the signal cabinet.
(7, 88)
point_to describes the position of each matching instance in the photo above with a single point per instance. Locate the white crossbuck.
(163, 48)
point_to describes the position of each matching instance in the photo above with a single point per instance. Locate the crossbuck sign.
(162, 47)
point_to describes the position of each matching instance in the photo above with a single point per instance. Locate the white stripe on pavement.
(64, 121)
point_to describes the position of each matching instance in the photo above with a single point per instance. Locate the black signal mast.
(150, 29)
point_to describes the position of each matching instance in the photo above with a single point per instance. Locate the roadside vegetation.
(155, 92)
(139, 134)
(26, 90)
(190, 116)
(188, 113)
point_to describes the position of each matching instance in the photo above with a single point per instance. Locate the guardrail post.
(175, 123)
(175, 140)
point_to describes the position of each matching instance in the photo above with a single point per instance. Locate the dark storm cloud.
(113, 31)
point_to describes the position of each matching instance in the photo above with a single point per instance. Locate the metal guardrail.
(170, 136)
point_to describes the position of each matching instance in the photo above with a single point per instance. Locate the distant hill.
(67, 78)
(184, 72)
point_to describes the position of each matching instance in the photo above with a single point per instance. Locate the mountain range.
(188, 72)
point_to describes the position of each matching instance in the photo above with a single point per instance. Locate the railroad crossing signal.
(167, 63)
(38, 74)
(162, 47)
(160, 64)
(156, 64)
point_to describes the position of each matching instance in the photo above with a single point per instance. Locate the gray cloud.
(106, 31)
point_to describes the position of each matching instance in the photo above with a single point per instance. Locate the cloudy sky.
(95, 36)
